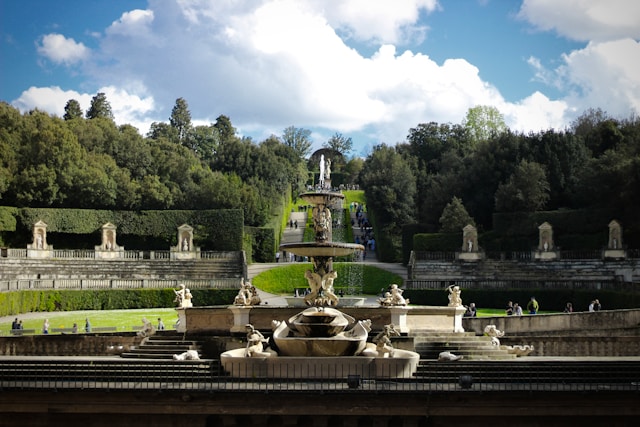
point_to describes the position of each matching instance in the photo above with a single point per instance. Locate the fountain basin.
(402, 365)
(344, 301)
(322, 249)
(321, 197)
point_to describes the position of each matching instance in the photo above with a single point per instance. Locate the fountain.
(320, 341)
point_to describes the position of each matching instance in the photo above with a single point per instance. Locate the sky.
(367, 69)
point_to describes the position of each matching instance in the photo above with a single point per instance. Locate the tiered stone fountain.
(321, 341)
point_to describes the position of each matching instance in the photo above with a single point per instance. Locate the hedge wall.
(263, 243)
(220, 229)
(17, 302)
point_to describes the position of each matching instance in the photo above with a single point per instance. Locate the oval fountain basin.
(322, 249)
(320, 324)
(321, 197)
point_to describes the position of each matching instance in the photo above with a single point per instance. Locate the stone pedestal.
(470, 256)
(181, 326)
(241, 315)
(399, 318)
(614, 254)
(545, 256)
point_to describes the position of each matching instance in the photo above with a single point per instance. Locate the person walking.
(533, 306)
(87, 325)
(509, 309)
(160, 324)
(45, 326)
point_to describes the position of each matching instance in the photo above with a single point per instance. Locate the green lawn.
(124, 320)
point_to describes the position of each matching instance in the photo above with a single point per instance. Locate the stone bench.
(22, 331)
(63, 330)
(105, 329)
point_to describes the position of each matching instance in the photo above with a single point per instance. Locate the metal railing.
(472, 376)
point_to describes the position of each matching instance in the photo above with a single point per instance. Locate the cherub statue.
(396, 296)
(386, 301)
(244, 294)
(494, 333)
(147, 329)
(383, 341)
(180, 295)
(255, 343)
(454, 296)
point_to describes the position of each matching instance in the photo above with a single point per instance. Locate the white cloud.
(127, 108)
(606, 75)
(61, 50)
(535, 113)
(585, 20)
(270, 64)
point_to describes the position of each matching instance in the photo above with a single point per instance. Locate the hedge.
(17, 302)
(220, 229)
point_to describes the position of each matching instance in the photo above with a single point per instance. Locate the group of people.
(513, 309)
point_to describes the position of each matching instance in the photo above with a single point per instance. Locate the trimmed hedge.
(263, 243)
(17, 302)
(220, 229)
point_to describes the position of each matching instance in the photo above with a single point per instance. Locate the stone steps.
(162, 347)
(473, 347)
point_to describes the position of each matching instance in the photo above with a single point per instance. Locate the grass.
(283, 280)
(123, 320)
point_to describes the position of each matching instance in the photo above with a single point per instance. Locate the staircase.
(163, 347)
(429, 344)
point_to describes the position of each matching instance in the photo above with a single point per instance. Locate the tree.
(72, 110)
(483, 121)
(180, 120)
(225, 128)
(339, 143)
(455, 217)
(389, 188)
(299, 139)
(526, 190)
(100, 107)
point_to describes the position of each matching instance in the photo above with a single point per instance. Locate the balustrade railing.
(119, 255)
(495, 284)
(36, 284)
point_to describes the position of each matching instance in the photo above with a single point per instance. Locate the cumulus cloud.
(585, 20)
(127, 108)
(61, 50)
(271, 64)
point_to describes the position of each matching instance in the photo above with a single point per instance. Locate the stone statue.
(183, 297)
(396, 296)
(247, 295)
(322, 292)
(322, 171)
(470, 246)
(494, 333)
(383, 341)
(447, 356)
(185, 244)
(454, 296)
(327, 172)
(147, 329)
(386, 300)
(187, 355)
(255, 343)
(519, 350)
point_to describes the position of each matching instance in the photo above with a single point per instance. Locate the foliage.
(455, 217)
(339, 143)
(484, 121)
(12, 303)
(100, 107)
(180, 120)
(298, 139)
(527, 189)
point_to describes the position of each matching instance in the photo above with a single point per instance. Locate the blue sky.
(369, 69)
